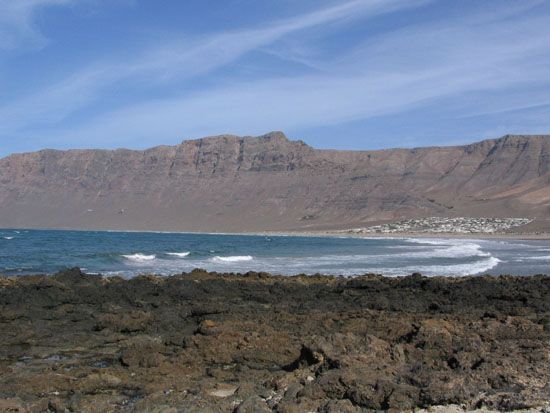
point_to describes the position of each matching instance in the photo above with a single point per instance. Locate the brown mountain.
(230, 183)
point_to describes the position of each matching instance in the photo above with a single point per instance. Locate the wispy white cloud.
(178, 60)
(440, 62)
(17, 24)
(391, 73)
(280, 104)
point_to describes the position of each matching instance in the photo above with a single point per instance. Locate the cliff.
(231, 183)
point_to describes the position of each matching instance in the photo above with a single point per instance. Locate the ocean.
(129, 254)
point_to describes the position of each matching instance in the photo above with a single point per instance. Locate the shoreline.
(318, 233)
(204, 341)
(400, 235)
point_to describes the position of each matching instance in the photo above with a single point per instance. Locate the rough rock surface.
(207, 342)
(230, 183)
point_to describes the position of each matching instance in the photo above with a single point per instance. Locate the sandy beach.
(338, 233)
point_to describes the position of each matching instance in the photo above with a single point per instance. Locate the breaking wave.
(178, 254)
(453, 251)
(167, 254)
(8, 238)
(140, 257)
(539, 258)
(445, 248)
(233, 258)
(472, 268)
(430, 241)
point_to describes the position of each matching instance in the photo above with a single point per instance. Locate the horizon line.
(243, 137)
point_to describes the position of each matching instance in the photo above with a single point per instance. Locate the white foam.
(465, 250)
(431, 241)
(455, 270)
(472, 268)
(445, 248)
(178, 254)
(8, 238)
(140, 257)
(453, 251)
(233, 258)
(539, 258)
(118, 274)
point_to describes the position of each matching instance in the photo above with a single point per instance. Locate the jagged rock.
(12, 405)
(124, 322)
(208, 328)
(254, 404)
(322, 344)
(142, 351)
(97, 382)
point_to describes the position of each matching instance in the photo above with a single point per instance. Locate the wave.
(472, 268)
(123, 274)
(454, 270)
(140, 257)
(8, 238)
(178, 254)
(233, 258)
(539, 258)
(431, 241)
(445, 248)
(453, 251)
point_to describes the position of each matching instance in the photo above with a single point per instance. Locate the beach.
(216, 342)
(344, 233)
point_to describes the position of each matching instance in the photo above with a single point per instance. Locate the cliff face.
(230, 183)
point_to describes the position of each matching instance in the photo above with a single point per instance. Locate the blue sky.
(347, 74)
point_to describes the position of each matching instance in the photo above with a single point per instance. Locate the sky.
(346, 74)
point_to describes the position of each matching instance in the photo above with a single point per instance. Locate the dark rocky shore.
(206, 342)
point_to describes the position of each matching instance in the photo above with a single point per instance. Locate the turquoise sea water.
(131, 253)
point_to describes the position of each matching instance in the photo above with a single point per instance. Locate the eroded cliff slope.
(231, 183)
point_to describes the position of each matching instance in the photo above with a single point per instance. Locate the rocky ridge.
(231, 183)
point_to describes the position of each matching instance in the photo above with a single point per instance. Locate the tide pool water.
(132, 253)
